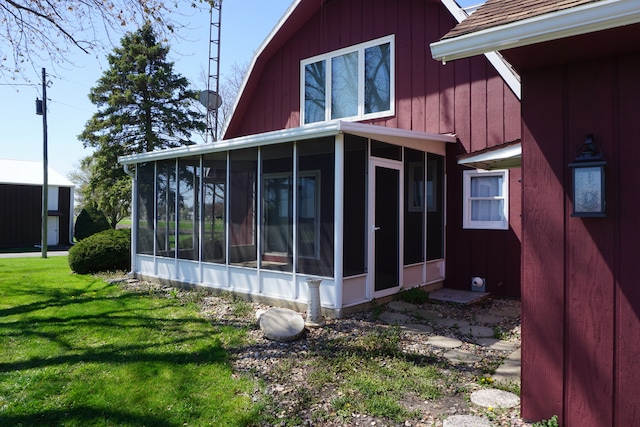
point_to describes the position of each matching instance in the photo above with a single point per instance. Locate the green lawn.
(76, 351)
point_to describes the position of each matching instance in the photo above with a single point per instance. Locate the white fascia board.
(294, 134)
(500, 154)
(373, 131)
(508, 74)
(494, 159)
(267, 138)
(591, 17)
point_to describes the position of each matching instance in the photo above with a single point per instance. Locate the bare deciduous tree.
(230, 86)
(37, 31)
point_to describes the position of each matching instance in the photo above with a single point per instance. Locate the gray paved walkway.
(33, 254)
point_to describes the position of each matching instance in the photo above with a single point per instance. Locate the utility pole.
(41, 109)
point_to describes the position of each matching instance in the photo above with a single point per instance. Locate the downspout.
(134, 215)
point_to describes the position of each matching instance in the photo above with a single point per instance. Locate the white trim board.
(293, 134)
(588, 18)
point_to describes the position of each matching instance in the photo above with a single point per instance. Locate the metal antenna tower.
(214, 100)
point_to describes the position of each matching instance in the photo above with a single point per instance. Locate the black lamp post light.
(589, 181)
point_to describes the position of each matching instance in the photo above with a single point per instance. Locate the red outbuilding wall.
(468, 98)
(580, 276)
(21, 213)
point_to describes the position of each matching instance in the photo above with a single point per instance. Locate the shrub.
(105, 251)
(90, 221)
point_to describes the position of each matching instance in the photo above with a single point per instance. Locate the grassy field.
(76, 351)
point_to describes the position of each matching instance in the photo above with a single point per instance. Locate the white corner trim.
(508, 74)
(574, 21)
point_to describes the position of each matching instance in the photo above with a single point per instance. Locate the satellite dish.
(210, 99)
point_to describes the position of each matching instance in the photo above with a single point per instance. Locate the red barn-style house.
(351, 157)
(579, 62)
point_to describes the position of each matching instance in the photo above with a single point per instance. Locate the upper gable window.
(352, 83)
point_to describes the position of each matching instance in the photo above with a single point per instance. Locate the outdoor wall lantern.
(588, 181)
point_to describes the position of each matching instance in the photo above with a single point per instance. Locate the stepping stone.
(509, 370)
(457, 296)
(449, 322)
(281, 324)
(496, 344)
(417, 328)
(488, 318)
(477, 331)
(402, 306)
(458, 356)
(466, 421)
(425, 314)
(394, 318)
(444, 342)
(491, 397)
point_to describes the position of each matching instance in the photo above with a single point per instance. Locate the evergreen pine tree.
(143, 105)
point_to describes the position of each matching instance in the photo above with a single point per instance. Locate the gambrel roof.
(295, 18)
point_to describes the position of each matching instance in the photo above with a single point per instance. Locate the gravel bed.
(283, 368)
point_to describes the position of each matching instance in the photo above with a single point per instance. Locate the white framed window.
(486, 201)
(349, 84)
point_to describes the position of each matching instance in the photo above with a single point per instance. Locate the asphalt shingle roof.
(495, 13)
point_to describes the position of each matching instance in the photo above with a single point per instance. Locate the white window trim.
(467, 222)
(360, 48)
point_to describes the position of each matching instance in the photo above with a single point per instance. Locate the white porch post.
(134, 214)
(338, 216)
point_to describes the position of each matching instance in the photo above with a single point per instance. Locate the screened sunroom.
(359, 206)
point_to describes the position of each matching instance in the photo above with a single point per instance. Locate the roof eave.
(588, 18)
(502, 158)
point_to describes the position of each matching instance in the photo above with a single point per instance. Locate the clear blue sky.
(245, 25)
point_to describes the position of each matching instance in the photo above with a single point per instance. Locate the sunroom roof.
(380, 133)
(502, 157)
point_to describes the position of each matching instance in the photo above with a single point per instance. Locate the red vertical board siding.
(447, 82)
(478, 103)
(512, 242)
(512, 117)
(355, 24)
(462, 103)
(368, 21)
(405, 62)
(432, 69)
(542, 246)
(495, 110)
(418, 73)
(285, 95)
(589, 327)
(20, 216)
(627, 375)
